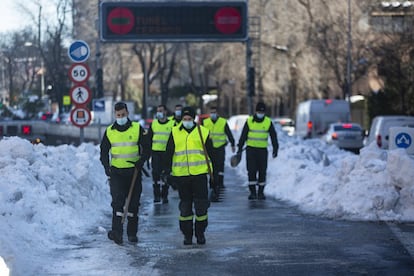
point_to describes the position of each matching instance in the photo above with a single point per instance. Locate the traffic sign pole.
(80, 94)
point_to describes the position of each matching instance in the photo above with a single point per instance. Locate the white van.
(380, 128)
(313, 117)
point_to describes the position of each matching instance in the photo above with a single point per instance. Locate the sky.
(11, 17)
(44, 187)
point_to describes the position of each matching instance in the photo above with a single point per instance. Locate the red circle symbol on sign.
(227, 20)
(79, 72)
(120, 21)
(80, 116)
(80, 94)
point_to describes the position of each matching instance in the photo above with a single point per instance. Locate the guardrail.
(51, 133)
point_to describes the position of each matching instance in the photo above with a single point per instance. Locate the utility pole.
(348, 88)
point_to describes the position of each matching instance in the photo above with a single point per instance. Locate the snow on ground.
(51, 194)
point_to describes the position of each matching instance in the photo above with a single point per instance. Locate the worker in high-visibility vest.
(158, 133)
(176, 117)
(124, 148)
(220, 134)
(255, 133)
(188, 151)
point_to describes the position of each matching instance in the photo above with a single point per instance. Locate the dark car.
(349, 136)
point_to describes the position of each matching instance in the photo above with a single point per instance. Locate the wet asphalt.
(264, 238)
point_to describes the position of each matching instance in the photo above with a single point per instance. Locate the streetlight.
(41, 72)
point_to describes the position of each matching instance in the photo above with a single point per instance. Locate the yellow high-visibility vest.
(189, 158)
(258, 134)
(124, 146)
(161, 134)
(217, 131)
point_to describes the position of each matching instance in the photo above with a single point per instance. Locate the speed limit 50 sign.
(79, 72)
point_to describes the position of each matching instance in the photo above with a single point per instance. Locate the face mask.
(188, 124)
(160, 115)
(122, 121)
(178, 113)
(213, 116)
(260, 115)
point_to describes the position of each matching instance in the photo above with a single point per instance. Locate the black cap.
(261, 107)
(188, 111)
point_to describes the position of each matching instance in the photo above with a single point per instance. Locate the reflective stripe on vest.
(217, 131)
(124, 146)
(189, 158)
(161, 134)
(258, 134)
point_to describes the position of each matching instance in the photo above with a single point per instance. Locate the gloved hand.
(139, 164)
(108, 171)
(274, 154)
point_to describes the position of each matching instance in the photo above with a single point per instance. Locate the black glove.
(108, 171)
(139, 164)
(274, 154)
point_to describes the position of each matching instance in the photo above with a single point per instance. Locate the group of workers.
(183, 155)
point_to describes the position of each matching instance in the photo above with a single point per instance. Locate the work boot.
(201, 239)
(164, 193)
(188, 240)
(157, 192)
(214, 195)
(253, 194)
(133, 239)
(115, 236)
(260, 194)
(132, 229)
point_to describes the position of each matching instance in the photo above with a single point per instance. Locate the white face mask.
(188, 124)
(213, 116)
(160, 115)
(260, 115)
(178, 113)
(122, 121)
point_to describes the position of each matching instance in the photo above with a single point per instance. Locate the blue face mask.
(188, 124)
(213, 116)
(178, 113)
(260, 115)
(122, 121)
(160, 115)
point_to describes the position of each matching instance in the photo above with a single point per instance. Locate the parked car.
(349, 136)
(287, 124)
(380, 126)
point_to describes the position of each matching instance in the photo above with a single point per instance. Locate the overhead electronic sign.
(173, 21)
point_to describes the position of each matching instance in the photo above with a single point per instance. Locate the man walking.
(121, 145)
(158, 133)
(219, 131)
(188, 149)
(256, 131)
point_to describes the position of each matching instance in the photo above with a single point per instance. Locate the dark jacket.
(272, 133)
(143, 143)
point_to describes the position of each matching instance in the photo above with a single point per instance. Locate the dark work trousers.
(256, 162)
(193, 190)
(160, 181)
(119, 186)
(217, 158)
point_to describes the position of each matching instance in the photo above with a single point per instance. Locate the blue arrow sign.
(403, 140)
(79, 51)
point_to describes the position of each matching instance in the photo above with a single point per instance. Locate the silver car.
(347, 136)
